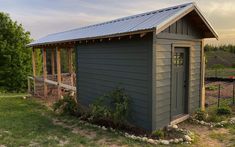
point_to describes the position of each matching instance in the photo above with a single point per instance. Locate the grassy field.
(223, 58)
(221, 73)
(220, 57)
(26, 122)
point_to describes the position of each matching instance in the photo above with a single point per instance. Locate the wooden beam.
(142, 35)
(34, 69)
(203, 96)
(58, 71)
(53, 62)
(44, 71)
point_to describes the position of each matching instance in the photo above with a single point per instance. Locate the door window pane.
(178, 59)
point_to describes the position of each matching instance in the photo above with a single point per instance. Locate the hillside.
(220, 57)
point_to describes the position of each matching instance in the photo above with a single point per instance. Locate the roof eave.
(92, 38)
(207, 23)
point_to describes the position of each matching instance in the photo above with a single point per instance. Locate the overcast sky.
(42, 17)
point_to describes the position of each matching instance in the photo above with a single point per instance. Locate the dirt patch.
(222, 131)
(75, 130)
(105, 142)
(63, 142)
(203, 134)
(86, 133)
(226, 89)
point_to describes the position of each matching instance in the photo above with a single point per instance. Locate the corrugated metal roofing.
(144, 21)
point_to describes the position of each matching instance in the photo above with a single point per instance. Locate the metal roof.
(146, 21)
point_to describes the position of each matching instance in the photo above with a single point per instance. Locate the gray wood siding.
(181, 32)
(126, 63)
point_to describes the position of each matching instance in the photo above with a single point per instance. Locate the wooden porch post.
(203, 96)
(44, 71)
(70, 64)
(70, 60)
(34, 70)
(53, 62)
(58, 71)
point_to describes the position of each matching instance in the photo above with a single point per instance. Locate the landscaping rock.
(224, 122)
(165, 142)
(187, 138)
(202, 122)
(181, 140)
(176, 140)
(232, 120)
(151, 141)
(172, 127)
(145, 139)
(175, 127)
(103, 128)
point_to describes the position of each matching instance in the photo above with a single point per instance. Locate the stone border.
(230, 121)
(186, 139)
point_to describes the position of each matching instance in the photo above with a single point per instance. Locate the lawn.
(26, 122)
(220, 73)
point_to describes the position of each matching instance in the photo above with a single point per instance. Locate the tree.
(15, 57)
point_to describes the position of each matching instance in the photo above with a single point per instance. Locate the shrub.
(158, 133)
(200, 115)
(223, 111)
(67, 105)
(113, 105)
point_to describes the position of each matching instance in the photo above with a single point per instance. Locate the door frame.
(188, 47)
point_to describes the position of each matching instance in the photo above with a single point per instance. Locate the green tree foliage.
(229, 48)
(15, 57)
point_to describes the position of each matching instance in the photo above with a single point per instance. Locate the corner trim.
(154, 125)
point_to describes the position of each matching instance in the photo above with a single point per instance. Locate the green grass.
(27, 122)
(218, 136)
(220, 57)
(212, 111)
(13, 94)
(221, 73)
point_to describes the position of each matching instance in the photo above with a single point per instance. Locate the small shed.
(157, 57)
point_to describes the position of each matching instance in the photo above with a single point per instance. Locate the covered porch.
(53, 71)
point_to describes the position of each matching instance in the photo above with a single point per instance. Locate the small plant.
(215, 118)
(158, 133)
(223, 111)
(113, 105)
(67, 105)
(200, 115)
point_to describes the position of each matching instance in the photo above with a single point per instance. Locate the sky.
(43, 17)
